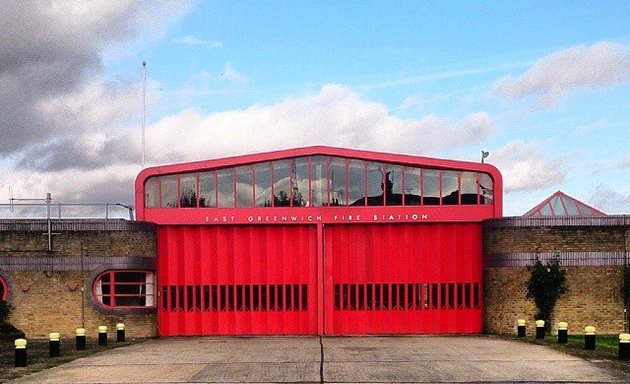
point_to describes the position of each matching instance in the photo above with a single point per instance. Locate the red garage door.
(237, 280)
(403, 278)
(349, 279)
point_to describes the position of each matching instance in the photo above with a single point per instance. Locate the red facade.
(319, 240)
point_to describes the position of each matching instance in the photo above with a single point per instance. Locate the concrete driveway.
(421, 359)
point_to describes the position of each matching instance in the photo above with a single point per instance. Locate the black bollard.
(120, 332)
(20, 352)
(521, 329)
(53, 344)
(589, 338)
(624, 346)
(81, 344)
(102, 335)
(540, 329)
(563, 332)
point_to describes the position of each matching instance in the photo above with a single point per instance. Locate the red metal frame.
(5, 288)
(112, 286)
(428, 254)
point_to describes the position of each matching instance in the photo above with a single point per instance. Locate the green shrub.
(546, 285)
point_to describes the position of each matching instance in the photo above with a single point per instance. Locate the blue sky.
(543, 86)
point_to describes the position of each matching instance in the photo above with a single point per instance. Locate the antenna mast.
(144, 107)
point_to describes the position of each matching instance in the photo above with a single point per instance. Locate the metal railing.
(66, 211)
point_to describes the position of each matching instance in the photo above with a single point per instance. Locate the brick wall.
(593, 252)
(45, 287)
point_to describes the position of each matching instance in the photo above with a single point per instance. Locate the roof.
(319, 150)
(561, 204)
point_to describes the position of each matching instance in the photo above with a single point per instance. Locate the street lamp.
(484, 154)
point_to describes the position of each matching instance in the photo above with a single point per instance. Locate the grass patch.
(38, 357)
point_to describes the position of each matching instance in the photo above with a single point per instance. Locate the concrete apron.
(421, 359)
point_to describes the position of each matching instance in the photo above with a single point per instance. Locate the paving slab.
(412, 359)
(457, 359)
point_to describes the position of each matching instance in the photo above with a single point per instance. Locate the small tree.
(545, 286)
(5, 311)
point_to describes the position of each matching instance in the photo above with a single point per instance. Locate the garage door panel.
(237, 280)
(403, 279)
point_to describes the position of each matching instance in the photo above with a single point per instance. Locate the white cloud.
(335, 116)
(97, 105)
(112, 183)
(561, 73)
(229, 73)
(610, 201)
(101, 165)
(193, 41)
(51, 52)
(525, 167)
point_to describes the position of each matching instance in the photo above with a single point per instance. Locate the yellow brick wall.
(593, 298)
(46, 300)
(594, 284)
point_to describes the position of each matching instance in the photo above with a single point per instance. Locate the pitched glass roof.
(561, 204)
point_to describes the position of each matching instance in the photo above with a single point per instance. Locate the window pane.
(129, 277)
(450, 187)
(469, 188)
(412, 186)
(188, 190)
(263, 184)
(149, 288)
(430, 187)
(571, 207)
(487, 188)
(356, 182)
(300, 182)
(225, 181)
(207, 191)
(281, 184)
(151, 193)
(169, 191)
(244, 187)
(393, 181)
(319, 181)
(375, 180)
(556, 206)
(338, 193)
(546, 210)
(130, 301)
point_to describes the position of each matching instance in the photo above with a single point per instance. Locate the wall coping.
(69, 225)
(558, 221)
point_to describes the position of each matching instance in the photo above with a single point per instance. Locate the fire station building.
(318, 241)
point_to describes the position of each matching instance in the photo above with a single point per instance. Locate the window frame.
(433, 182)
(112, 295)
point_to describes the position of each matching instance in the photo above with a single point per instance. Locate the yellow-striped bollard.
(81, 342)
(563, 332)
(120, 332)
(53, 344)
(20, 352)
(520, 328)
(624, 346)
(589, 337)
(540, 329)
(102, 335)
